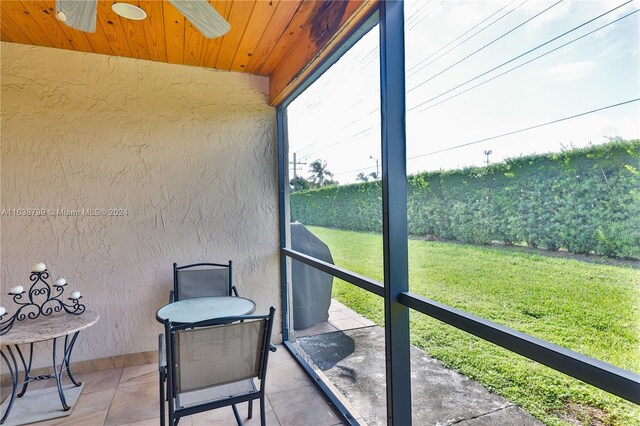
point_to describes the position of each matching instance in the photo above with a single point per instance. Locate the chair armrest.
(162, 361)
(234, 291)
(171, 296)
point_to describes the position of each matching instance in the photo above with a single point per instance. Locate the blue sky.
(338, 118)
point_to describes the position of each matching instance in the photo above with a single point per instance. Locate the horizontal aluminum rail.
(618, 381)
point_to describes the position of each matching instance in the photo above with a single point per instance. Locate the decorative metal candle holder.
(41, 299)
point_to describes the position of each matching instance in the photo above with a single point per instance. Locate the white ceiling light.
(129, 11)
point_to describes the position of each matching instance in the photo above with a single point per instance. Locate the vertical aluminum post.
(283, 184)
(394, 208)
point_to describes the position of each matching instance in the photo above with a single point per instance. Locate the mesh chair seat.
(214, 363)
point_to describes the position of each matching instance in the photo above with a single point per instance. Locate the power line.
(524, 129)
(501, 135)
(480, 75)
(368, 61)
(426, 15)
(346, 126)
(493, 69)
(348, 138)
(484, 47)
(409, 73)
(462, 35)
(364, 62)
(519, 56)
(372, 56)
(417, 11)
(523, 64)
(355, 170)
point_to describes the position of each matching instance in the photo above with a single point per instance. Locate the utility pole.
(487, 153)
(295, 164)
(377, 167)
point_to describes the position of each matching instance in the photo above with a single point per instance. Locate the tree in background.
(299, 184)
(365, 178)
(362, 177)
(319, 175)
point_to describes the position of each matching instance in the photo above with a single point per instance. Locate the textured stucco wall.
(189, 153)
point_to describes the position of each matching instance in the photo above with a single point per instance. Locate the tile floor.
(129, 396)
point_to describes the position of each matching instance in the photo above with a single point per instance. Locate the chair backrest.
(201, 280)
(208, 354)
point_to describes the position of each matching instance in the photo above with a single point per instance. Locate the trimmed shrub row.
(583, 200)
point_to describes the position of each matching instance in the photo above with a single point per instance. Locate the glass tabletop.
(204, 308)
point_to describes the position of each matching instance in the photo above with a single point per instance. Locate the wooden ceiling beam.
(323, 33)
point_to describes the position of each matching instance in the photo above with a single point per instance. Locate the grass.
(590, 308)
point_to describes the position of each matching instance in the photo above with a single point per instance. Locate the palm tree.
(319, 175)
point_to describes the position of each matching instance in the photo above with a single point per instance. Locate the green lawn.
(591, 308)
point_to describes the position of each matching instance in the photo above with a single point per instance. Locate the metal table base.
(65, 366)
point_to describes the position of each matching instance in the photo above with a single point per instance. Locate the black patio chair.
(214, 363)
(201, 280)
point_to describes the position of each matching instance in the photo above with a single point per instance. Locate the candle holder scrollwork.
(41, 299)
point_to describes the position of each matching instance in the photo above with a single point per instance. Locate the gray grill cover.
(311, 287)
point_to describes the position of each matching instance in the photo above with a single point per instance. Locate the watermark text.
(62, 212)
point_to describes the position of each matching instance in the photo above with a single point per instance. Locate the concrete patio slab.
(353, 360)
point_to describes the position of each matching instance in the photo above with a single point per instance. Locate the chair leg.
(236, 414)
(250, 408)
(172, 417)
(263, 415)
(162, 399)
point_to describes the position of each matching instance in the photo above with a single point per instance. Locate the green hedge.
(583, 200)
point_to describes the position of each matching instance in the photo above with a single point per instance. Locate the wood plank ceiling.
(276, 38)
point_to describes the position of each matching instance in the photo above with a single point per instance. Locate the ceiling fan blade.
(203, 16)
(78, 14)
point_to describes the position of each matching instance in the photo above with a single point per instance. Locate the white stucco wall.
(190, 153)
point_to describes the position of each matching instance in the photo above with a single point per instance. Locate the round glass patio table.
(204, 308)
